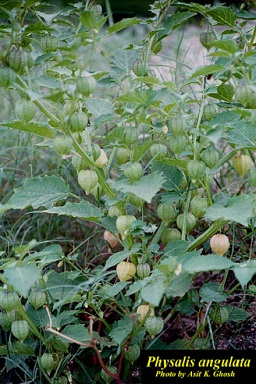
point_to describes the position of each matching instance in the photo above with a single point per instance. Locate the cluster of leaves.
(161, 167)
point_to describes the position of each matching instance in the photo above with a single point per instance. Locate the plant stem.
(30, 322)
(200, 328)
(109, 13)
(184, 224)
(250, 45)
(208, 191)
(159, 233)
(170, 315)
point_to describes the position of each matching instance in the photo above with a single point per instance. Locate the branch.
(84, 345)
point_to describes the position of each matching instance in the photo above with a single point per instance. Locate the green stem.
(200, 328)
(151, 40)
(201, 109)
(223, 283)
(142, 322)
(250, 45)
(226, 158)
(87, 138)
(111, 160)
(30, 322)
(109, 13)
(195, 336)
(234, 289)
(129, 240)
(159, 233)
(3, 280)
(208, 191)
(170, 315)
(184, 224)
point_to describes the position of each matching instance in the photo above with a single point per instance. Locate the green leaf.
(122, 63)
(135, 287)
(206, 263)
(119, 256)
(48, 255)
(22, 250)
(48, 82)
(177, 248)
(243, 134)
(102, 119)
(67, 317)
(77, 332)
(99, 107)
(22, 276)
(179, 285)
(223, 15)
(143, 97)
(36, 129)
(187, 304)
(245, 271)
(225, 92)
(226, 118)
(35, 28)
(149, 80)
(174, 21)
(22, 349)
(195, 7)
(65, 287)
(37, 192)
(237, 314)
(48, 17)
(115, 289)
(226, 45)
(40, 317)
(124, 23)
(212, 291)
(250, 58)
(238, 209)
(121, 330)
(145, 188)
(115, 134)
(168, 265)
(173, 175)
(29, 3)
(17, 347)
(83, 210)
(140, 150)
(247, 15)
(154, 290)
(109, 223)
(177, 163)
(123, 60)
(4, 350)
(89, 18)
(207, 70)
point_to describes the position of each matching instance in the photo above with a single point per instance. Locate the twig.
(85, 345)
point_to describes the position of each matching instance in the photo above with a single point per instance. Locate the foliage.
(160, 166)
